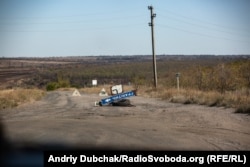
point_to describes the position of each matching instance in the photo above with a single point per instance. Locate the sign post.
(94, 82)
(178, 82)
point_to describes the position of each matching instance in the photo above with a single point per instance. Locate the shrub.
(52, 86)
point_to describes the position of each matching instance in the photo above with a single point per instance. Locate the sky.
(53, 28)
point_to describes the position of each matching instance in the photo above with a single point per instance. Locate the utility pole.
(151, 24)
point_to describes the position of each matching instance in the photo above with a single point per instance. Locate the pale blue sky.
(32, 28)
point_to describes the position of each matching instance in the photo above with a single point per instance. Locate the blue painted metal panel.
(117, 97)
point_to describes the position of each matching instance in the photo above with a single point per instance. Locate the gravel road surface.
(151, 124)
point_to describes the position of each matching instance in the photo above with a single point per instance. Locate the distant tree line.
(209, 73)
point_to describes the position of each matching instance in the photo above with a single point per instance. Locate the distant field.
(206, 79)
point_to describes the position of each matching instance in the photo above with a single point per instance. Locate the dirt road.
(151, 124)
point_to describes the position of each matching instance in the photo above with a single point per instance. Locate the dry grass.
(14, 97)
(240, 100)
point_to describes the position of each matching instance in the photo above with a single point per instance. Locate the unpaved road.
(151, 124)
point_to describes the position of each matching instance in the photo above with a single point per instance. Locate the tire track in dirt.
(152, 124)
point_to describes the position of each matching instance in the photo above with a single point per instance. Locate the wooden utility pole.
(153, 15)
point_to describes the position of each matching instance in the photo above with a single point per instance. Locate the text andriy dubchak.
(122, 158)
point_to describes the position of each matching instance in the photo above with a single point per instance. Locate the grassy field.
(240, 99)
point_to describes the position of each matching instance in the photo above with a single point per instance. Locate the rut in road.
(152, 124)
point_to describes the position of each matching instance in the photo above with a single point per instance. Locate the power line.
(200, 34)
(75, 29)
(70, 22)
(208, 28)
(202, 21)
(11, 28)
(62, 16)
